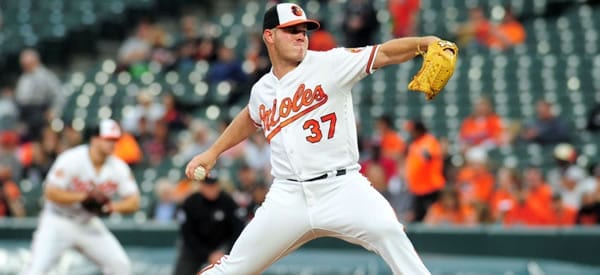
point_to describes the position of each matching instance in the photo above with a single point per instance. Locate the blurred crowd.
(409, 165)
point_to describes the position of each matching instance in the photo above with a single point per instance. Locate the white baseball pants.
(55, 234)
(344, 207)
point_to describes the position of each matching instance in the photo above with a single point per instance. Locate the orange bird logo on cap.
(297, 11)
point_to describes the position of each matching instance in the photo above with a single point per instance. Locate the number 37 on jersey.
(296, 107)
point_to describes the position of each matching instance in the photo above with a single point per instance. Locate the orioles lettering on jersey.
(290, 109)
(108, 187)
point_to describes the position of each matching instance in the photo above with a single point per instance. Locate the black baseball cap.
(286, 15)
(211, 180)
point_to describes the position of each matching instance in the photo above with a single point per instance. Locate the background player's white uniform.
(69, 226)
(308, 118)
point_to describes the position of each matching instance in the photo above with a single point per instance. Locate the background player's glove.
(96, 203)
(438, 67)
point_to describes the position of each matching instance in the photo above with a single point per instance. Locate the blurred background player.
(64, 224)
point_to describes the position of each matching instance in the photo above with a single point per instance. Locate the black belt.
(340, 172)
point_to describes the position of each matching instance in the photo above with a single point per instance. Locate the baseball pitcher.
(304, 107)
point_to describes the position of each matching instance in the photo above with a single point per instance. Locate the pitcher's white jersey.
(73, 170)
(307, 115)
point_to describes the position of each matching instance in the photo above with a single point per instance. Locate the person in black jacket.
(209, 227)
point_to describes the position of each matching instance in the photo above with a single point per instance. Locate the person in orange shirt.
(476, 31)
(392, 145)
(321, 39)
(524, 213)
(482, 128)
(538, 193)
(450, 210)
(128, 149)
(474, 181)
(505, 196)
(424, 168)
(561, 214)
(405, 17)
(533, 202)
(10, 196)
(507, 34)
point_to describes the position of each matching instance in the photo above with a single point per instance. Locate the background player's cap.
(109, 129)
(287, 15)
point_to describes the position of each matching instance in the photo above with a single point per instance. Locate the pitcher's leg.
(280, 223)
(360, 214)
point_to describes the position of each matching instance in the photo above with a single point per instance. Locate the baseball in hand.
(199, 173)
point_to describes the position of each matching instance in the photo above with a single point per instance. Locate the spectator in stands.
(9, 111)
(504, 196)
(176, 120)
(537, 191)
(376, 175)
(589, 213)
(145, 109)
(360, 23)
(206, 49)
(128, 149)
(524, 213)
(161, 43)
(405, 17)
(474, 181)
(321, 39)
(38, 94)
(259, 193)
(209, 226)
(188, 28)
(509, 33)
(226, 68)
(561, 214)
(43, 154)
(547, 128)
(9, 142)
(237, 152)
(475, 32)
(482, 128)
(247, 179)
(573, 186)
(392, 145)
(376, 158)
(424, 168)
(256, 54)
(593, 122)
(565, 157)
(257, 153)
(450, 210)
(71, 137)
(160, 146)
(137, 47)
(399, 195)
(10, 195)
(186, 55)
(593, 181)
(164, 206)
(533, 202)
(201, 137)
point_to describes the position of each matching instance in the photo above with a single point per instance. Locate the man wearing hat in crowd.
(209, 226)
(81, 174)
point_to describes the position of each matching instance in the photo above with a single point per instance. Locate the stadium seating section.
(558, 63)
